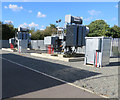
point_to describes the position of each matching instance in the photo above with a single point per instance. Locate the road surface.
(20, 81)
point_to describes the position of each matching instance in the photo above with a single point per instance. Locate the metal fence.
(5, 43)
(115, 46)
(115, 42)
(35, 44)
(39, 45)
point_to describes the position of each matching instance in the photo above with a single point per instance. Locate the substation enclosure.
(23, 36)
(74, 38)
(54, 42)
(97, 51)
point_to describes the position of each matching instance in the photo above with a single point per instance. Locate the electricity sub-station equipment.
(55, 43)
(75, 33)
(50, 42)
(23, 39)
(12, 43)
(97, 51)
(74, 38)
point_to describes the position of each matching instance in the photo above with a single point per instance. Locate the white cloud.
(30, 11)
(15, 7)
(116, 6)
(29, 25)
(41, 15)
(94, 12)
(5, 7)
(33, 25)
(8, 21)
(42, 29)
(26, 0)
(114, 19)
(23, 25)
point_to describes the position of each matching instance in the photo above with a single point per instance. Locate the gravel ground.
(102, 81)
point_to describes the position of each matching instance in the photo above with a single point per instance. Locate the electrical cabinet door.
(91, 46)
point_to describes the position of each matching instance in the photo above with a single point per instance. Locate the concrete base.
(59, 57)
(8, 49)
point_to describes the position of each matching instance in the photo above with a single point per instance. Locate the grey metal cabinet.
(97, 51)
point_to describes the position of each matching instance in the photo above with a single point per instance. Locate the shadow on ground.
(18, 80)
(114, 64)
(111, 64)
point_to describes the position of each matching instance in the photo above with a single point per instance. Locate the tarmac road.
(21, 82)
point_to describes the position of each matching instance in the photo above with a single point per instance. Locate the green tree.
(8, 31)
(39, 35)
(114, 32)
(98, 28)
(52, 26)
(31, 31)
(49, 31)
(36, 35)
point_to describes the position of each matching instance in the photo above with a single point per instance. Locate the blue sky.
(41, 14)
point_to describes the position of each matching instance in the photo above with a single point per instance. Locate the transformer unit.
(75, 35)
(71, 35)
(97, 51)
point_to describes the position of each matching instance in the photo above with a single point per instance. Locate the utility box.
(50, 40)
(22, 46)
(23, 39)
(97, 51)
